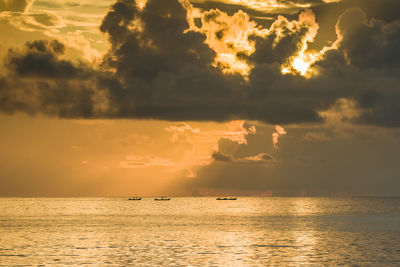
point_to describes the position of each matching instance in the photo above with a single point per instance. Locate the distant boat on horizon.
(135, 198)
(162, 199)
(226, 198)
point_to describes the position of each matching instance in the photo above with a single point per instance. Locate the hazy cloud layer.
(324, 163)
(161, 66)
(15, 5)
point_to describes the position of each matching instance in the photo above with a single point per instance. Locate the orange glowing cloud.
(135, 161)
(196, 146)
(228, 37)
(279, 131)
(270, 6)
(303, 59)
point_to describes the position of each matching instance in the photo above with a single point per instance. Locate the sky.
(199, 98)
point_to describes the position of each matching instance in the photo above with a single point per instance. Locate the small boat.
(162, 198)
(135, 198)
(226, 198)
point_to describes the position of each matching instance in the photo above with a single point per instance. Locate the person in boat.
(162, 198)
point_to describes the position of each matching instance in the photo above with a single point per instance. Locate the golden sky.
(244, 97)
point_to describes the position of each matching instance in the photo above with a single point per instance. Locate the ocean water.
(200, 232)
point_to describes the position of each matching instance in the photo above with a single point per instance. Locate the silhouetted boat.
(162, 198)
(226, 198)
(135, 198)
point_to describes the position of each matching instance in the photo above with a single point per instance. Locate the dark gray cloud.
(160, 70)
(368, 44)
(365, 66)
(41, 81)
(233, 152)
(41, 58)
(218, 156)
(168, 75)
(166, 72)
(385, 10)
(328, 13)
(280, 44)
(161, 46)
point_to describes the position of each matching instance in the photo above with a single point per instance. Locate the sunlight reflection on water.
(200, 231)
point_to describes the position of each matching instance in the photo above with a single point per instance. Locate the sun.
(300, 65)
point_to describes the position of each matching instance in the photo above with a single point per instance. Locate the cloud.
(15, 5)
(181, 132)
(33, 21)
(218, 156)
(368, 44)
(42, 81)
(75, 23)
(41, 58)
(260, 6)
(176, 81)
(285, 39)
(161, 38)
(39, 24)
(303, 167)
(260, 158)
(235, 166)
(316, 137)
(160, 66)
(135, 161)
(234, 151)
(78, 41)
(236, 132)
(228, 36)
(279, 131)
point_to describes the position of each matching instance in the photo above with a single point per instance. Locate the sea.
(200, 231)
